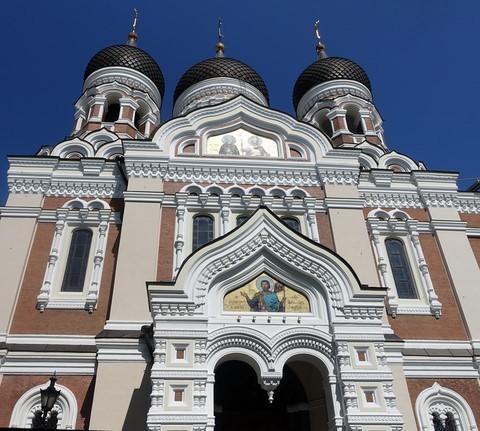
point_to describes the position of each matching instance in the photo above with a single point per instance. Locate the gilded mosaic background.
(242, 143)
(265, 294)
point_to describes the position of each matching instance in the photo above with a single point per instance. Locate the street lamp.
(48, 398)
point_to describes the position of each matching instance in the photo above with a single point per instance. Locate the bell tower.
(123, 89)
(334, 94)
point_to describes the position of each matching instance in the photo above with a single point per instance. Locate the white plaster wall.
(120, 401)
(137, 261)
(350, 233)
(353, 244)
(404, 403)
(441, 213)
(24, 200)
(16, 236)
(144, 184)
(464, 275)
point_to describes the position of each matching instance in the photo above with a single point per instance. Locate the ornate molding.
(392, 200)
(73, 188)
(166, 373)
(129, 77)
(218, 174)
(265, 239)
(339, 177)
(327, 90)
(215, 90)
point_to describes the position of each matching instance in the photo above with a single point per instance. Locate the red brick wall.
(475, 244)
(167, 249)
(473, 220)
(170, 187)
(13, 387)
(325, 230)
(469, 389)
(449, 326)
(28, 320)
(50, 203)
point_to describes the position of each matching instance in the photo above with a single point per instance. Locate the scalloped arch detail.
(396, 160)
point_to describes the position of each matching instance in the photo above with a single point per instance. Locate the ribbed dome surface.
(220, 67)
(127, 56)
(328, 69)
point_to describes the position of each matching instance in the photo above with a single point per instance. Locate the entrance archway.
(242, 405)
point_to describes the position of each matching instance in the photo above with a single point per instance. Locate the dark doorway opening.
(242, 405)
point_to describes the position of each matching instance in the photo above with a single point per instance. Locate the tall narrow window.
(202, 231)
(292, 222)
(113, 112)
(77, 262)
(401, 271)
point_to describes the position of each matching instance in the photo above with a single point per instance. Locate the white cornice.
(189, 170)
(90, 177)
(72, 188)
(19, 212)
(344, 203)
(451, 225)
(440, 367)
(391, 200)
(28, 362)
(122, 349)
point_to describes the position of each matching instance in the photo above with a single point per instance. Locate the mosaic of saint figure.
(228, 146)
(267, 298)
(255, 147)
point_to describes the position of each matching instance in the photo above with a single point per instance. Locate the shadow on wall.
(136, 416)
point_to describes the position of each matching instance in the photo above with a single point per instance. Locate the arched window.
(113, 112)
(66, 408)
(324, 123)
(441, 409)
(292, 222)
(401, 271)
(202, 230)
(77, 261)
(354, 123)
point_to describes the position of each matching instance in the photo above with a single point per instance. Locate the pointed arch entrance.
(299, 402)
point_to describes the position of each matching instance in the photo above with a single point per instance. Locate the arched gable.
(197, 126)
(264, 244)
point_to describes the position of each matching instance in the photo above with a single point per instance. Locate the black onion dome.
(127, 56)
(328, 69)
(220, 67)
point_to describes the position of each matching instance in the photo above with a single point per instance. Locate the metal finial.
(220, 48)
(317, 32)
(320, 46)
(135, 17)
(132, 37)
(220, 35)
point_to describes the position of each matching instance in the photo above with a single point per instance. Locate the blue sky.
(421, 57)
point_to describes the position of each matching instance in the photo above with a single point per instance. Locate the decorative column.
(180, 237)
(392, 302)
(435, 304)
(92, 296)
(44, 296)
(97, 108)
(311, 218)
(225, 214)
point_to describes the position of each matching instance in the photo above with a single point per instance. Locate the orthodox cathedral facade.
(236, 268)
